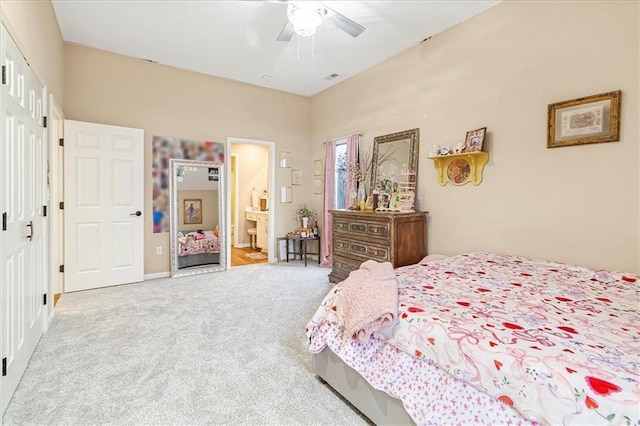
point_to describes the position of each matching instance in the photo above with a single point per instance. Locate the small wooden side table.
(303, 247)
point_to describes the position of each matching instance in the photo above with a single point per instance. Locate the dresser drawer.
(341, 267)
(361, 249)
(346, 264)
(361, 228)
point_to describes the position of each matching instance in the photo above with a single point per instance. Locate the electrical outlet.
(159, 250)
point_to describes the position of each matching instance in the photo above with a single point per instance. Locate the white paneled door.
(23, 236)
(103, 199)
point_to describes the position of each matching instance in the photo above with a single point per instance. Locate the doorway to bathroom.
(251, 183)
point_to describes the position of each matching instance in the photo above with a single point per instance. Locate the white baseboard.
(243, 245)
(49, 320)
(157, 275)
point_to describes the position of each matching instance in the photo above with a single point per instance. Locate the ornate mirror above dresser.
(394, 154)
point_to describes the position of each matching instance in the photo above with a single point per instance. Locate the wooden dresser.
(399, 238)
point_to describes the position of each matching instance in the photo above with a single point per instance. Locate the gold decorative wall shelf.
(459, 169)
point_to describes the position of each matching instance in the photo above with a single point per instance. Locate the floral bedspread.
(189, 245)
(429, 395)
(558, 343)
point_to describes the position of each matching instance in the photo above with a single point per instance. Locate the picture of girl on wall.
(192, 211)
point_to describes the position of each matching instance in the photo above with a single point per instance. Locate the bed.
(196, 248)
(491, 339)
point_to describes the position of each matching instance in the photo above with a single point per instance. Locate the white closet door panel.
(23, 259)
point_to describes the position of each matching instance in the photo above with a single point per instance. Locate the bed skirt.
(198, 260)
(379, 407)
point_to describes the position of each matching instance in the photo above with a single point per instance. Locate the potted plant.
(304, 212)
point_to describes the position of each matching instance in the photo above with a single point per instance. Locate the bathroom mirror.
(197, 217)
(394, 154)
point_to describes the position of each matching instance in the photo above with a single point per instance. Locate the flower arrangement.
(304, 211)
(361, 171)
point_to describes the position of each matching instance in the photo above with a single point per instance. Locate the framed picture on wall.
(296, 177)
(317, 185)
(192, 209)
(285, 194)
(317, 168)
(592, 119)
(285, 159)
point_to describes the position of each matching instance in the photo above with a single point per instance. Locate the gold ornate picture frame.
(591, 119)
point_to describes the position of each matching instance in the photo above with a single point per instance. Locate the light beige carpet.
(221, 348)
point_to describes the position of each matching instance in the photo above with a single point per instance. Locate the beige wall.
(501, 69)
(209, 209)
(112, 89)
(34, 28)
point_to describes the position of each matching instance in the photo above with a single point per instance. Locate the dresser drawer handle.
(378, 230)
(340, 244)
(358, 248)
(358, 227)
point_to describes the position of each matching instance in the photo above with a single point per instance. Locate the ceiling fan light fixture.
(305, 16)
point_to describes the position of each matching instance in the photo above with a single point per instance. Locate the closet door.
(23, 238)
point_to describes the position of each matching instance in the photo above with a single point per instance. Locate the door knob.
(138, 213)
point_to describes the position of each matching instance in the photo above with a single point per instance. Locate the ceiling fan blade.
(286, 33)
(345, 24)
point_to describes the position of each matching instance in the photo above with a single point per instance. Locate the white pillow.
(209, 234)
(432, 258)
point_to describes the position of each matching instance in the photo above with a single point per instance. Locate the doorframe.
(56, 195)
(233, 158)
(272, 189)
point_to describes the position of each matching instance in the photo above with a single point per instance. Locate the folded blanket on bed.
(370, 300)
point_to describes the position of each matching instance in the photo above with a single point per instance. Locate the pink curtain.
(352, 158)
(329, 201)
(330, 190)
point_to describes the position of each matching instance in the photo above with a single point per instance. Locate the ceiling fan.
(304, 17)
